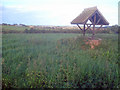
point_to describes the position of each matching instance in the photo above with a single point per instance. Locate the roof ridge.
(91, 8)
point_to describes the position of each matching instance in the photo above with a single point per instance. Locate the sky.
(54, 12)
(119, 13)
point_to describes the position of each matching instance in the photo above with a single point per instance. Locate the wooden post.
(94, 26)
(93, 29)
(84, 30)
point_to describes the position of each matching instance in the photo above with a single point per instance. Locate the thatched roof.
(88, 14)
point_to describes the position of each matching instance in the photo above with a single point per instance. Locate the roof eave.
(76, 23)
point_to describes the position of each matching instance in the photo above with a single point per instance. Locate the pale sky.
(54, 12)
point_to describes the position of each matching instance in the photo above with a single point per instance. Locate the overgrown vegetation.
(27, 29)
(59, 61)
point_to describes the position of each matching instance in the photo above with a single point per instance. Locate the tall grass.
(59, 60)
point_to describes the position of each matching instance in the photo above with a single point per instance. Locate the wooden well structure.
(94, 16)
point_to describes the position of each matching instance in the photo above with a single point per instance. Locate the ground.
(59, 60)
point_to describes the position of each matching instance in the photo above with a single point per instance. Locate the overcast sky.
(54, 12)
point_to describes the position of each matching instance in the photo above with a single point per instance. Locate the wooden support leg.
(84, 30)
(93, 31)
(94, 26)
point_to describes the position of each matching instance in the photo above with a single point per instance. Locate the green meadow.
(16, 28)
(59, 61)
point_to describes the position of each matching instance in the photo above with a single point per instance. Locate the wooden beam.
(90, 29)
(98, 21)
(91, 20)
(94, 19)
(93, 30)
(84, 30)
(100, 15)
(88, 26)
(79, 27)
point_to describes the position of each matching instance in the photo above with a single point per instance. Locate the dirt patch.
(80, 42)
(93, 42)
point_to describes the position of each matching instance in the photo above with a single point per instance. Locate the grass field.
(16, 28)
(59, 60)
